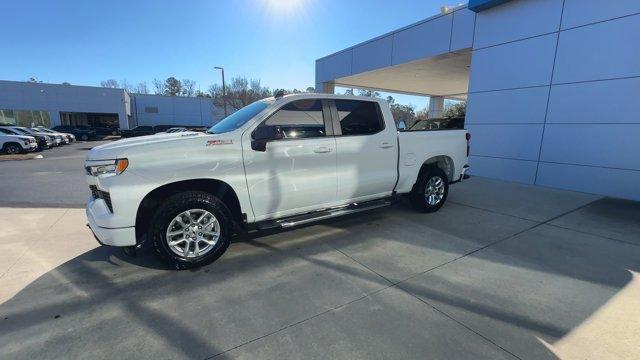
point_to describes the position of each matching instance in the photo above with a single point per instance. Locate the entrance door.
(296, 173)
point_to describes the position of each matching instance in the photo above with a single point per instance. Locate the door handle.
(386, 145)
(322, 150)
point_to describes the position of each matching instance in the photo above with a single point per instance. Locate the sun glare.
(285, 7)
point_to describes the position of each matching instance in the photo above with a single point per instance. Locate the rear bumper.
(108, 236)
(463, 175)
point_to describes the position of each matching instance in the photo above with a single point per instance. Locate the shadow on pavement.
(105, 301)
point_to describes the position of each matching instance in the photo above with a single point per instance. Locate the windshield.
(22, 131)
(238, 118)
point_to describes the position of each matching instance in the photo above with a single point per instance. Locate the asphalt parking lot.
(55, 180)
(502, 271)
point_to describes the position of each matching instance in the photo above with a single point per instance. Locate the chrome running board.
(297, 220)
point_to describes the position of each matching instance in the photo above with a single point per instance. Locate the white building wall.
(174, 110)
(552, 96)
(437, 35)
(55, 98)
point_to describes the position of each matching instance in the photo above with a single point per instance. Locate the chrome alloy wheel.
(193, 233)
(434, 191)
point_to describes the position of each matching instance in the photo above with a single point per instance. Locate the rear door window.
(359, 117)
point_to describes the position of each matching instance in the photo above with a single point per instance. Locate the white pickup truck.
(278, 162)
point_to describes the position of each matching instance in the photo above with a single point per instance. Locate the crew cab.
(276, 163)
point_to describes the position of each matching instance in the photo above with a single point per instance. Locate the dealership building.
(30, 104)
(552, 86)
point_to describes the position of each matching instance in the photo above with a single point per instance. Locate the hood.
(121, 148)
(43, 134)
(21, 137)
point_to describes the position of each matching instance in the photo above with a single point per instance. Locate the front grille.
(99, 194)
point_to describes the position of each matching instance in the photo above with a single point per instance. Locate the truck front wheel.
(430, 191)
(191, 229)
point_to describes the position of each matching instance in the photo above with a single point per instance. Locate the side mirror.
(263, 134)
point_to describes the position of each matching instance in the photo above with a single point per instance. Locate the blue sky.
(276, 41)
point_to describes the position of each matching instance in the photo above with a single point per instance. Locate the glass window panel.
(359, 117)
(299, 119)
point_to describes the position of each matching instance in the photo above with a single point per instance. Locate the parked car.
(105, 131)
(69, 137)
(174, 129)
(100, 130)
(166, 128)
(198, 128)
(137, 131)
(439, 124)
(15, 144)
(163, 128)
(80, 134)
(276, 163)
(59, 139)
(42, 141)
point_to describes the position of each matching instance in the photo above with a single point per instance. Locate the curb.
(20, 157)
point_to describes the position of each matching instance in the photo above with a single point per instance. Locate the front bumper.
(108, 236)
(31, 147)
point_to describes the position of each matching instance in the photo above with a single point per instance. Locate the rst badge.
(219, 142)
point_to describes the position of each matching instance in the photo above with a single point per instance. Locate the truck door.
(367, 150)
(297, 171)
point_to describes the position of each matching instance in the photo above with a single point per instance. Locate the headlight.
(117, 167)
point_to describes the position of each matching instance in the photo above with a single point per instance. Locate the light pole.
(224, 90)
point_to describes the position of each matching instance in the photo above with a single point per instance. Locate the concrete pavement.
(502, 271)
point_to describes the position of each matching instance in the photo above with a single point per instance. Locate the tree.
(126, 86)
(404, 113)
(201, 94)
(188, 88)
(172, 86)
(369, 93)
(240, 92)
(422, 114)
(66, 83)
(458, 109)
(110, 83)
(141, 88)
(311, 89)
(158, 86)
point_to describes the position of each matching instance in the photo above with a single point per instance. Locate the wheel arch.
(218, 188)
(444, 162)
(12, 143)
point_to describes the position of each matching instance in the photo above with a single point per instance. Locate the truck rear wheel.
(430, 191)
(191, 229)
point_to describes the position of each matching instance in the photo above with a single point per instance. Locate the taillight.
(468, 137)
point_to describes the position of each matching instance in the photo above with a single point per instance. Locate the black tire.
(12, 148)
(175, 205)
(418, 197)
(84, 137)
